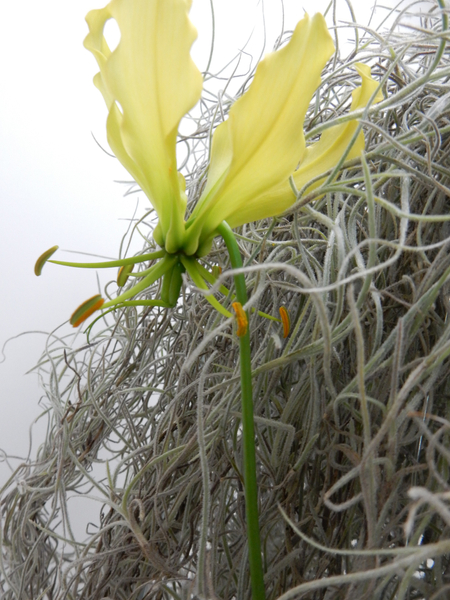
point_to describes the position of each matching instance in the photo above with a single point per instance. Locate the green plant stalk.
(248, 429)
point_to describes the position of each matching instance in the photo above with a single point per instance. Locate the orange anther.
(216, 271)
(43, 259)
(86, 309)
(123, 274)
(241, 318)
(285, 320)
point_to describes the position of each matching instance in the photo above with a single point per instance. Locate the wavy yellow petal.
(265, 126)
(148, 82)
(221, 157)
(318, 158)
(327, 152)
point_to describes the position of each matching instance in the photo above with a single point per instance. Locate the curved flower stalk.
(149, 82)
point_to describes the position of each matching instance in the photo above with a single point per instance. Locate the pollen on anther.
(241, 318)
(285, 320)
(43, 259)
(86, 309)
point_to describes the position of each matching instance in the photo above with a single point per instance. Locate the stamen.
(43, 259)
(123, 274)
(285, 320)
(86, 309)
(241, 318)
(216, 271)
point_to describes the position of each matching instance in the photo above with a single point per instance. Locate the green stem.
(248, 429)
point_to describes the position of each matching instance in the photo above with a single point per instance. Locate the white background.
(57, 186)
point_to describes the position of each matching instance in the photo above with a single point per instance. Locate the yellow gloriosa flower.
(149, 82)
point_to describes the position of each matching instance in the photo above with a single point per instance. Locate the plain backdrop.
(58, 187)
